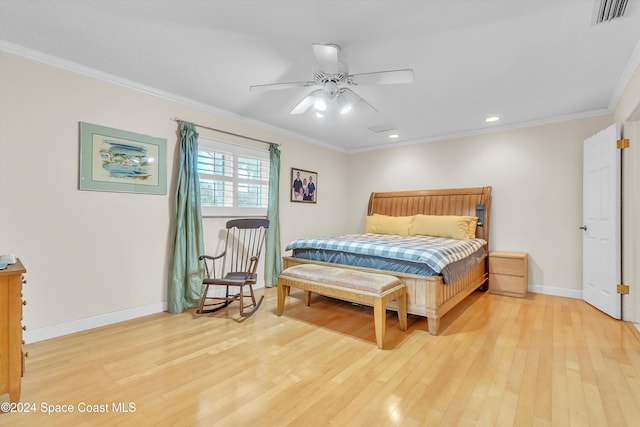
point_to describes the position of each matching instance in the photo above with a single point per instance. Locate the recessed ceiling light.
(394, 136)
(492, 119)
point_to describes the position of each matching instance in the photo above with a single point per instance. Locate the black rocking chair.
(242, 248)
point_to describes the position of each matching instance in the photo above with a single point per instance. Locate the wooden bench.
(351, 285)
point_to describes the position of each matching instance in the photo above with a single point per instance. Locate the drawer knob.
(24, 302)
(24, 327)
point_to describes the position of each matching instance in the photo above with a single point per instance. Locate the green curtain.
(273, 259)
(185, 283)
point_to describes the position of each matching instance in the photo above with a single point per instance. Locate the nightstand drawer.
(514, 286)
(502, 265)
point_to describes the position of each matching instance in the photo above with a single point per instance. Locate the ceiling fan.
(332, 80)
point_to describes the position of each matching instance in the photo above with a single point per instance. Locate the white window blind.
(234, 180)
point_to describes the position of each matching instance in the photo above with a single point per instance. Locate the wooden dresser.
(508, 273)
(11, 354)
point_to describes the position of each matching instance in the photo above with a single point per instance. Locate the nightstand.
(508, 273)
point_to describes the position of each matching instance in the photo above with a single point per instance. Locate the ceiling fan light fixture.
(320, 104)
(346, 109)
(347, 100)
(344, 104)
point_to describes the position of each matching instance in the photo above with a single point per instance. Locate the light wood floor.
(539, 361)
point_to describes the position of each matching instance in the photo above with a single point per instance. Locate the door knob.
(584, 227)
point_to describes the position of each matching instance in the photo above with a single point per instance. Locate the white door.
(601, 221)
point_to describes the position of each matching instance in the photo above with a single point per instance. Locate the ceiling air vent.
(381, 128)
(608, 10)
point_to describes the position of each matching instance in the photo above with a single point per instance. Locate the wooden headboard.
(457, 201)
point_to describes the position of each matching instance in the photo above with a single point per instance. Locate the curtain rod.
(227, 132)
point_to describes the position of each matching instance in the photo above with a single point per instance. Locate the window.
(234, 181)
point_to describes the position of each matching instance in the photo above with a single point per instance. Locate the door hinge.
(622, 143)
(623, 289)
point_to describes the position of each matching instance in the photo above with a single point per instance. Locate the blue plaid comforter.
(436, 252)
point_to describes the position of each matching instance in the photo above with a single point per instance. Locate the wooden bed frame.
(429, 296)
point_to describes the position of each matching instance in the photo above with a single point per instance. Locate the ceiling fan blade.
(277, 86)
(306, 102)
(382, 77)
(326, 57)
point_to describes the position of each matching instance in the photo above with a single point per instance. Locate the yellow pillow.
(449, 226)
(473, 223)
(383, 224)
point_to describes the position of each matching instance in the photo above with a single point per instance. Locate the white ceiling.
(527, 61)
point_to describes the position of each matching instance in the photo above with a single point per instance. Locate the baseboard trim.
(54, 331)
(559, 292)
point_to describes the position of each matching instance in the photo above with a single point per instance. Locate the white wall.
(98, 257)
(536, 175)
